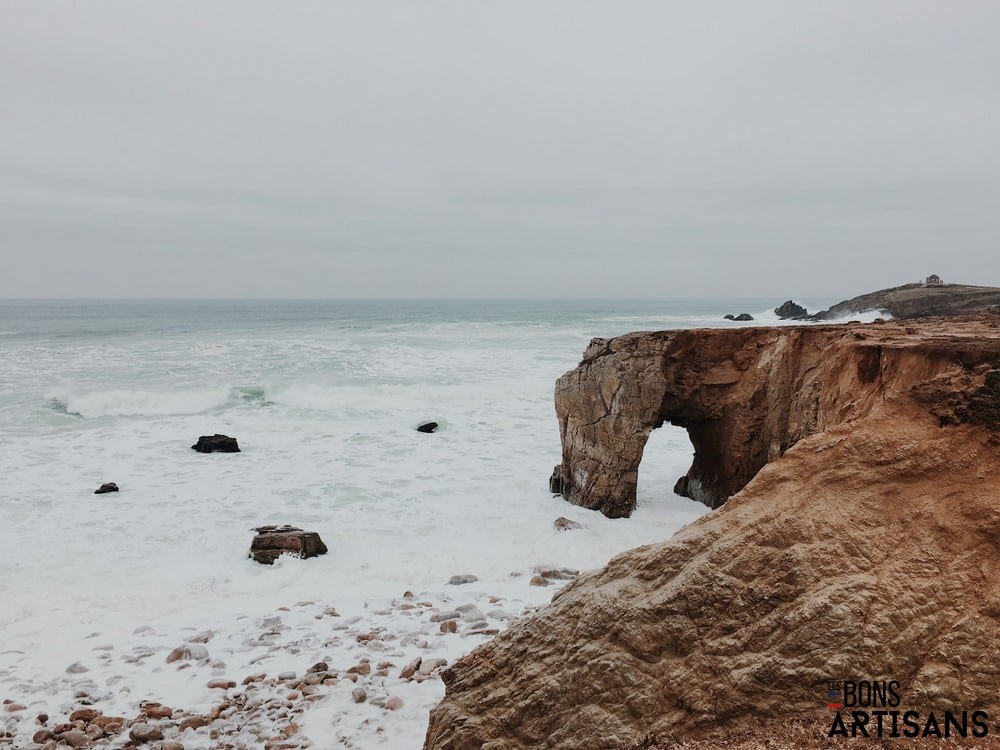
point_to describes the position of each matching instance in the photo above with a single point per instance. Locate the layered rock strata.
(868, 548)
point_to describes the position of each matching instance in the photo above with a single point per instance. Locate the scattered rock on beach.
(273, 541)
(271, 704)
(427, 427)
(86, 715)
(462, 579)
(141, 733)
(410, 669)
(428, 666)
(192, 652)
(74, 738)
(557, 574)
(216, 444)
(106, 487)
(194, 723)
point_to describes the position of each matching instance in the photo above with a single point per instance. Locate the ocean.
(324, 398)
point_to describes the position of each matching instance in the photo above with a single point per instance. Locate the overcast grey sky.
(504, 148)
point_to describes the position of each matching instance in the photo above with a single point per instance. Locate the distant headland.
(927, 299)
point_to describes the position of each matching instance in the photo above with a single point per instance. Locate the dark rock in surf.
(742, 317)
(790, 311)
(427, 427)
(106, 487)
(681, 486)
(273, 541)
(556, 481)
(216, 444)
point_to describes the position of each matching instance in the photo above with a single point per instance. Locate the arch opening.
(666, 458)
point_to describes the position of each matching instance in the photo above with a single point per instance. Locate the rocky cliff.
(744, 395)
(865, 544)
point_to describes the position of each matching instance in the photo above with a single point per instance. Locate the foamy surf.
(129, 403)
(325, 415)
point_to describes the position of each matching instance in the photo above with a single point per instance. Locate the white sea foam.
(130, 403)
(325, 418)
(867, 316)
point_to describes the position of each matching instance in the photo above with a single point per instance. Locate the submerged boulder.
(106, 487)
(427, 427)
(741, 318)
(216, 444)
(564, 524)
(272, 541)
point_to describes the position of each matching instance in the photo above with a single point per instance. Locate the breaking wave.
(129, 403)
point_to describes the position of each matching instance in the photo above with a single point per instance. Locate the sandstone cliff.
(866, 544)
(745, 396)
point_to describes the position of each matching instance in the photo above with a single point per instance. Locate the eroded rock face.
(870, 549)
(745, 396)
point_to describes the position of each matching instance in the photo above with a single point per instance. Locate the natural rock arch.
(744, 395)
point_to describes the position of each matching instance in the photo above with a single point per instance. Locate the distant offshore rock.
(273, 541)
(427, 427)
(106, 487)
(216, 444)
(790, 311)
(741, 318)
